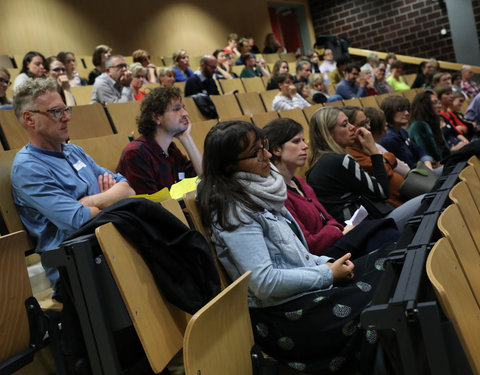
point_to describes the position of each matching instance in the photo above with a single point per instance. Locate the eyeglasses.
(58, 113)
(59, 70)
(260, 153)
(436, 102)
(403, 109)
(120, 66)
(364, 123)
(5, 82)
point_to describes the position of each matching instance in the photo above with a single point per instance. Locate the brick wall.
(407, 27)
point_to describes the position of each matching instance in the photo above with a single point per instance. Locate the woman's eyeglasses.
(57, 70)
(5, 82)
(259, 153)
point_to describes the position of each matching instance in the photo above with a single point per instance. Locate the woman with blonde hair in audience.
(304, 308)
(33, 66)
(224, 70)
(139, 72)
(57, 71)
(320, 93)
(143, 57)
(5, 82)
(181, 66)
(166, 76)
(287, 98)
(100, 55)
(280, 66)
(339, 182)
(68, 59)
(367, 75)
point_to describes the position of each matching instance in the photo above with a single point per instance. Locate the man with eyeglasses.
(351, 86)
(56, 186)
(202, 81)
(113, 86)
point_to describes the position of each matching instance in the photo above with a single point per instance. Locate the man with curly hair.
(153, 161)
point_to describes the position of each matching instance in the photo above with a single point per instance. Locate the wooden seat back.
(267, 97)
(7, 206)
(124, 117)
(193, 112)
(309, 111)
(88, 121)
(105, 156)
(192, 208)
(262, 119)
(229, 85)
(297, 115)
(14, 290)
(227, 106)
(355, 102)
(219, 336)
(369, 101)
(82, 94)
(13, 132)
(456, 297)
(199, 132)
(172, 206)
(159, 325)
(254, 84)
(251, 103)
(469, 175)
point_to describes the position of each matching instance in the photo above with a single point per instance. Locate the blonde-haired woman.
(181, 65)
(339, 182)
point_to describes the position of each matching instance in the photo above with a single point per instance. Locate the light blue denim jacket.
(282, 268)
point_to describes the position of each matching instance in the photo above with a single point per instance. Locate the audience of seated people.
(457, 83)
(396, 80)
(243, 47)
(424, 69)
(313, 58)
(181, 62)
(380, 84)
(166, 76)
(441, 78)
(232, 45)
(339, 72)
(202, 81)
(56, 70)
(291, 299)
(5, 103)
(372, 62)
(397, 140)
(68, 59)
(287, 98)
(56, 186)
(153, 161)
(100, 55)
(469, 86)
(271, 44)
(389, 59)
(33, 66)
(328, 65)
(350, 86)
(280, 67)
(253, 68)
(143, 57)
(113, 86)
(340, 184)
(253, 47)
(302, 71)
(139, 73)
(224, 69)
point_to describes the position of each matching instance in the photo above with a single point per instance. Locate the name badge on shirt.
(181, 176)
(79, 165)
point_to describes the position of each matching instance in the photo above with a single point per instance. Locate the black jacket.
(179, 258)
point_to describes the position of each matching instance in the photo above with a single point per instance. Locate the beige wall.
(159, 26)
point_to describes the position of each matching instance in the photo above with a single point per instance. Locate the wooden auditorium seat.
(271, 58)
(228, 85)
(470, 176)
(309, 111)
(219, 337)
(227, 106)
(297, 115)
(181, 86)
(369, 101)
(82, 94)
(455, 294)
(410, 95)
(124, 117)
(254, 84)
(88, 121)
(199, 132)
(237, 69)
(106, 150)
(6, 62)
(193, 112)
(14, 133)
(267, 97)
(262, 119)
(250, 103)
(289, 56)
(338, 103)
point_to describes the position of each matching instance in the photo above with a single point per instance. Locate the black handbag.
(377, 209)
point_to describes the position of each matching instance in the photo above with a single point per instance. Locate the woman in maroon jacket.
(324, 235)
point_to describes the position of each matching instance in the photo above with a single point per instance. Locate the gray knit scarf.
(268, 192)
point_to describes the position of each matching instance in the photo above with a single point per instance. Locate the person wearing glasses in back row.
(56, 70)
(5, 82)
(113, 86)
(56, 186)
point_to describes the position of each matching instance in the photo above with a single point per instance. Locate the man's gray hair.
(26, 93)
(301, 63)
(109, 61)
